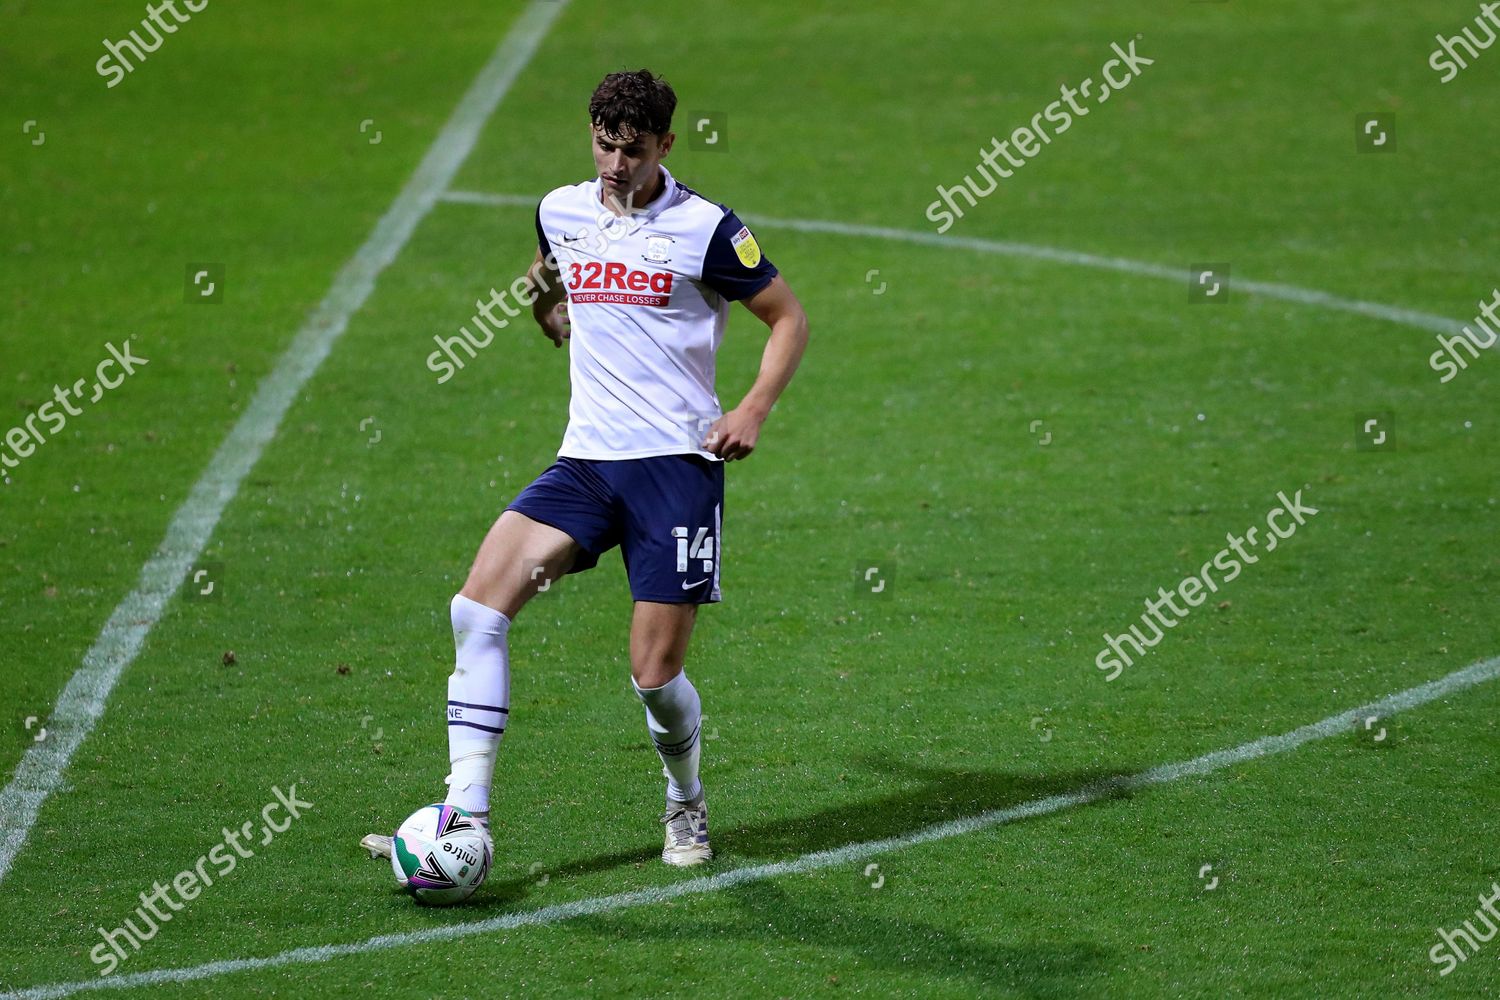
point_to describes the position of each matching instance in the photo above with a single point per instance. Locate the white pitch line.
(1270, 290)
(1453, 683)
(484, 198)
(83, 699)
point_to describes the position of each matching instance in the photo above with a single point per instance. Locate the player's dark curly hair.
(636, 102)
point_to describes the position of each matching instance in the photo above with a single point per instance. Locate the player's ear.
(666, 144)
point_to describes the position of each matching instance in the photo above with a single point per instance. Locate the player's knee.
(478, 592)
(498, 586)
(654, 669)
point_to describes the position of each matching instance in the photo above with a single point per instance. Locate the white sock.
(673, 713)
(478, 702)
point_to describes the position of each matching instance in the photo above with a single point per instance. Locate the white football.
(440, 855)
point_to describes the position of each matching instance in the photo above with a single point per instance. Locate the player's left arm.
(735, 433)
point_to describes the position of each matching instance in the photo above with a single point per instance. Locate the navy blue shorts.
(665, 513)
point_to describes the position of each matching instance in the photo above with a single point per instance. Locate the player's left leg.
(673, 507)
(659, 637)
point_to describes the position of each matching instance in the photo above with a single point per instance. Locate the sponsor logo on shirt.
(745, 247)
(593, 281)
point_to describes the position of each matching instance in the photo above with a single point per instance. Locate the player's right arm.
(549, 301)
(549, 297)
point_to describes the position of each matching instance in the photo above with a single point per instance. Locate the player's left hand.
(733, 435)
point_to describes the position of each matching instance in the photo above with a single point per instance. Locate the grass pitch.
(910, 442)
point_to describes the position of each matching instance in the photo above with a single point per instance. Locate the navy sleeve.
(733, 265)
(541, 237)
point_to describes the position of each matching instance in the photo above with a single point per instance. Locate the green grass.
(903, 442)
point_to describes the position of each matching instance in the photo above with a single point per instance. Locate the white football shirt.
(648, 297)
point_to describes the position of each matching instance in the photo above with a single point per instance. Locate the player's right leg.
(518, 558)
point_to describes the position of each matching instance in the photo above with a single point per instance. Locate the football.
(440, 855)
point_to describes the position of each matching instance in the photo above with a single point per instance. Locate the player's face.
(627, 164)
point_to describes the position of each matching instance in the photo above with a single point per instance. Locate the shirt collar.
(652, 208)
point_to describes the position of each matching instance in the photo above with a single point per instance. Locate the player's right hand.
(556, 325)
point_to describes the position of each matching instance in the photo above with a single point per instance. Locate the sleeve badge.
(745, 247)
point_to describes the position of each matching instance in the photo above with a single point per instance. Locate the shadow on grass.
(768, 915)
(927, 796)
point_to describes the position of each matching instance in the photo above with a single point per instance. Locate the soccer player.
(636, 273)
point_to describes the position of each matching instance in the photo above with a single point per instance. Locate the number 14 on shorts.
(701, 547)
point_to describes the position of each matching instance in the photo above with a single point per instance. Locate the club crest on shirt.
(745, 247)
(658, 249)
